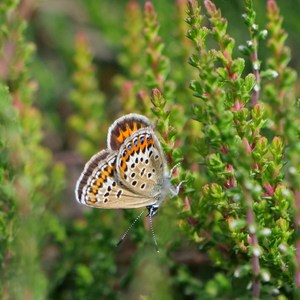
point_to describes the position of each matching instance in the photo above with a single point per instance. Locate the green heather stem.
(297, 230)
(157, 63)
(253, 48)
(255, 66)
(254, 244)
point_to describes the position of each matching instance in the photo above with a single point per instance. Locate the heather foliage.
(222, 93)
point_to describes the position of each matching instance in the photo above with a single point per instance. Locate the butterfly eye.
(135, 142)
(148, 137)
(129, 146)
(142, 139)
(124, 153)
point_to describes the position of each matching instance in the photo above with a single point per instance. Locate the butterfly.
(131, 173)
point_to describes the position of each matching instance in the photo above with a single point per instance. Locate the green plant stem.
(254, 59)
(254, 243)
(297, 229)
(253, 29)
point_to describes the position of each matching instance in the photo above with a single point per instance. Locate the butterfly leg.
(178, 187)
(174, 191)
(172, 170)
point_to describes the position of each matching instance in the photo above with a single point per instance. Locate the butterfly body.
(131, 173)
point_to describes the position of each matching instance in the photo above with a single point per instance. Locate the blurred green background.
(65, 250)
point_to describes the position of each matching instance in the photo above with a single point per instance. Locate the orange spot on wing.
(99, 182)
(120, 138)
(135, 128)
(124, 134)
(92, 199)
(150, 142)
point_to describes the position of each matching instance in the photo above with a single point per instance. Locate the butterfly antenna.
(129, 228)
(153, 235)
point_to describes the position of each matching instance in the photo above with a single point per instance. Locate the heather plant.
(225, 109)
(244, 217)
(243, 214)
(90, 111)
(89, 251)
(29, 179)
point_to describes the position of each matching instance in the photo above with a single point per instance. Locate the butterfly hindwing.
(123, 128)
(141, 164)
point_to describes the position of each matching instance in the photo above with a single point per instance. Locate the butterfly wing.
(141, 164)
(98, 185)
(123, 128)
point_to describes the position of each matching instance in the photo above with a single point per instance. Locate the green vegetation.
(218, 80)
